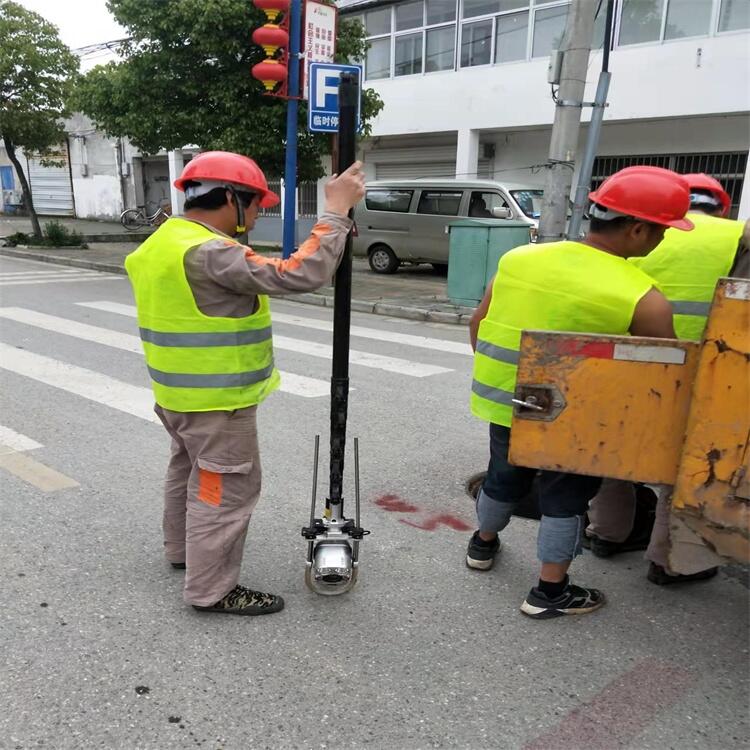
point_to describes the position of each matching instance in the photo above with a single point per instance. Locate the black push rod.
(342, 298)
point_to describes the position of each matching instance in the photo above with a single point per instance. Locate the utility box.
(476, 246)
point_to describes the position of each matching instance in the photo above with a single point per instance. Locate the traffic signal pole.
(290, 166)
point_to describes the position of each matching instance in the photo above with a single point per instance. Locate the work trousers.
(563, 499)
(672, 546)
(212, 486)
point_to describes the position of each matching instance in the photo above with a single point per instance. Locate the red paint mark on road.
(614, 717)
(395, 504)
(432, 522)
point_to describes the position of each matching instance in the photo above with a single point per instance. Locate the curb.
(308, 298)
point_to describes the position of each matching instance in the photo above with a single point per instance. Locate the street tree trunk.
(27, 199)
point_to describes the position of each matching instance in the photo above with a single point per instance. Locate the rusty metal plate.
(626, 405)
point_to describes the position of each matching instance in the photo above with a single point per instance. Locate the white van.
(406, 221)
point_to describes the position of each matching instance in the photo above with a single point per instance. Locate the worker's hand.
(345, 190)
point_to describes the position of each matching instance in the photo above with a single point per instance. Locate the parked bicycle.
(135, 218)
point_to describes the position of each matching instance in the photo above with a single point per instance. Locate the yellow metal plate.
(711, 492)
(626, 402)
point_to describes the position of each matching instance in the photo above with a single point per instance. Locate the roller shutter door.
(51, 187)
(417, 170)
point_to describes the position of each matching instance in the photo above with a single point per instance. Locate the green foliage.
(185, 79)
(36, 77)
(55, 235)
(58, 235)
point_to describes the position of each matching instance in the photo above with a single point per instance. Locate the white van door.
(435, 209)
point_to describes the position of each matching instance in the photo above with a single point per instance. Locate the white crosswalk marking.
(10, 274)
(422, 342)
(10, 440)
(299, 385)
(94, 276)
(131, 399)
(313, 349)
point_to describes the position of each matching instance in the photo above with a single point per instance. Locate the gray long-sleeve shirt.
(226, 276)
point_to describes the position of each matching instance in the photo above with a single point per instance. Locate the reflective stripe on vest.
(558, 286)
(196, 362)
(687, 265)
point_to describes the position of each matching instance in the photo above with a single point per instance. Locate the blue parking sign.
(323, 99)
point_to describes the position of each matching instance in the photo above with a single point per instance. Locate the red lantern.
(272, 8)
(269, 73)
(270, 37)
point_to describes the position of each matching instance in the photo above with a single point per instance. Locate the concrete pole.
(575, 46)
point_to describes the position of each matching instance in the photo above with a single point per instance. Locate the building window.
(408, 55)
(688, 18)
(473, 8)
(549, 26)
(378, 61)
(735, 15)
(378, 21)
(641, 21)
(409, 16)
(511, 33)
(439, 202)
(439, 11)
(441, 49)
(476, 43)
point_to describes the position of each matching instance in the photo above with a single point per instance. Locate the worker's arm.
(653, 316)
(480, 314)
(243, 271)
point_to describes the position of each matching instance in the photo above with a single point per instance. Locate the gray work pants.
(211, 488)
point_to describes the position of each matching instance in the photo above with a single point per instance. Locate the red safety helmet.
(652, 194)
(700, 181)
(234, 169)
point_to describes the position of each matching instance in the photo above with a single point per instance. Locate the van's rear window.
(388, 200)
(439, 202)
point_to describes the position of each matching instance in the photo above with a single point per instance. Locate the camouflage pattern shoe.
(243, 601)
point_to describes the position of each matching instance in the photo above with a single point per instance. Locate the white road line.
(67, 279)
(94, 386)
(10, 440)
(423, 342)
(298, 385)
(6, 274)
(312, 349)
(35, 473)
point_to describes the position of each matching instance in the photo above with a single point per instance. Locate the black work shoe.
(574, 600)
(179, 566)
(242, 601)
(604, 548)
(656, 574)
(481, 555)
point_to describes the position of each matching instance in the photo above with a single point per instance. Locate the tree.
(37, 73)
(185, 80)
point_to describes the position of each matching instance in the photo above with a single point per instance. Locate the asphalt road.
(99, 651)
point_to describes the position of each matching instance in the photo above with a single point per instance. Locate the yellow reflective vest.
(558, 286)
(687, 265)
(196, 362)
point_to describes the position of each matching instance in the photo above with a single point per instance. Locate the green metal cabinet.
(475, 249)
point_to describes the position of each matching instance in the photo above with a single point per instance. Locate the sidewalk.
(413, 292)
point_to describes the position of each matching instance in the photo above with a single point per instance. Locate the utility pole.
(571, 60)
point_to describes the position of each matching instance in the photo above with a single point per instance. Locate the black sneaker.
(179, 566)
(481, 555)
(574, 600)
(242, 601)
(656, 574)
(604, 548)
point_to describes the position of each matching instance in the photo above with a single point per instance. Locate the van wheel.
(382, 259)
(441, 268)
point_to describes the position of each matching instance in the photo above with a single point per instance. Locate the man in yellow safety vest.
(686, 266)
(585, 286)
(205, 325)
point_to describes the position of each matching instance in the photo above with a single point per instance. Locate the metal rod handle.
(315, 481)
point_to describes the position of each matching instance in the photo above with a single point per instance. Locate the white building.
(465, 87)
